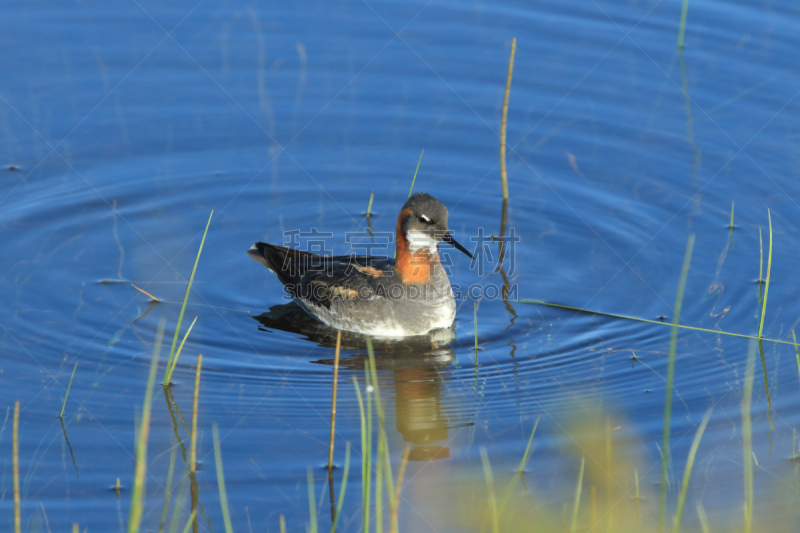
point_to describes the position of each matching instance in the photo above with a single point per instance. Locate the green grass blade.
(369, 205)
(609, 469)
(411, 190)
(687, 473)
(731, 224)
(682, 29)
(760, 263)
(747, 438)
(64, 403)
(139, 485)
(796, 351)
(673, 345)
(171, 369)
(375, 387)
(15, 468)
(703, 519)
(383, 444)
(365, 472)
(475, 311)
(189, 522)
(368, 466)
(195, 402)
(731, 227)
(388, 478)
(766, 284)
(492, 500)
(513, 483)
(343, 488)
(379, 470)
(183, 488)
(577, 503)
(223, 495)
(648, 321)
(186, 299)
(312, 502)
(381, 467)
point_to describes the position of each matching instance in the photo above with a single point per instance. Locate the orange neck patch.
(414, 267)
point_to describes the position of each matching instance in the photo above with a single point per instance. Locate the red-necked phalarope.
(376, 295)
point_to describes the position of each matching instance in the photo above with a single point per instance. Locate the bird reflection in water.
(416, 364)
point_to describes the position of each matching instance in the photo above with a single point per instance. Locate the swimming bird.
(373, 295)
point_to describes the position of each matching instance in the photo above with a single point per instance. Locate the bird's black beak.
(448, 238)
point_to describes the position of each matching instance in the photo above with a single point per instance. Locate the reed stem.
(139, 485)
(577, 503)
(15, 461)
(648, 321)
(503, 173)
(171, 368)
(64, 403)
(152, 298)
(492, 500)
(369, 205)
(312, 502)
(730, 226)
(747, 438)
(333, 401)
(796, 354)
(475, 314)
(196, 397)
(398, 489)
(673, 345)
(687, 473)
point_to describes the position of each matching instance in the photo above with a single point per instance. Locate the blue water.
(123, 125)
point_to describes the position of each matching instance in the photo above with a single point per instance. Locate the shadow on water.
(766, 391)
(501, 256)
(687, 100)
(417, 365)
(71, 454)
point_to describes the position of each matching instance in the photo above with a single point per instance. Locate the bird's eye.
(424, 219)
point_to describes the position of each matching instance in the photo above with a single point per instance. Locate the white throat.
(418, 240)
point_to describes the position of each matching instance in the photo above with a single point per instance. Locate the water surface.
(123, 125)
